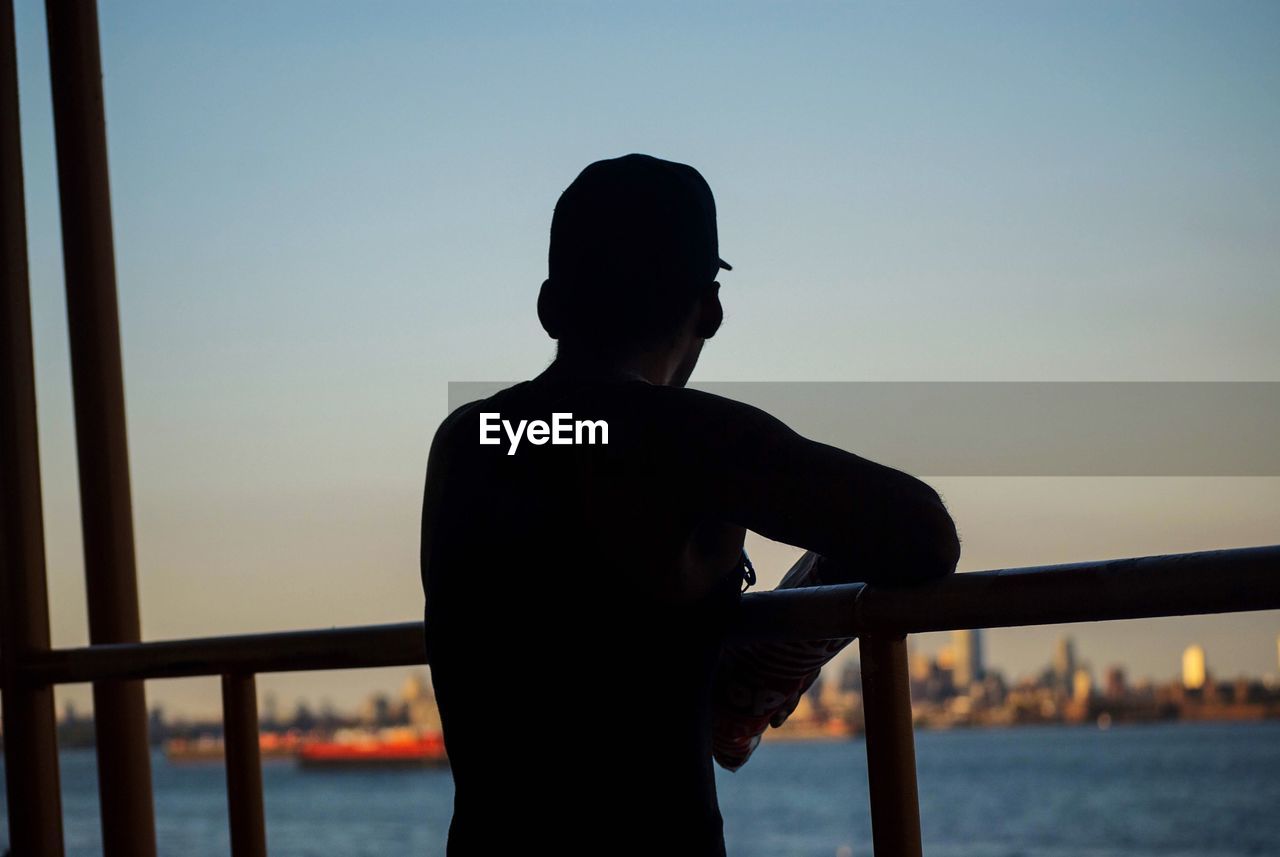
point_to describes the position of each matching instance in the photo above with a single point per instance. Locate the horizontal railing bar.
(355, 647)
(1224, 581)
(809, 613)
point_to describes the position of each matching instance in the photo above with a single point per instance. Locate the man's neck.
(657, 366)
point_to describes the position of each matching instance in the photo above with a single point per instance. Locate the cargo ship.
(388, 749)
(208, 748)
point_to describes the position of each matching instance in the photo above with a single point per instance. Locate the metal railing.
(117, 663)
(1241, 579)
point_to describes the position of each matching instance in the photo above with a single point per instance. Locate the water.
(1173, 790)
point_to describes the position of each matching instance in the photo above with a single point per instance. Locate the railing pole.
(124, 761)
(891, 751)
(31, 741)
(244, 766)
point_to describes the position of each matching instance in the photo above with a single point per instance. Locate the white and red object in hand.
(758, 684)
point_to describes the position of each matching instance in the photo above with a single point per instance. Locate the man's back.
(573, 626)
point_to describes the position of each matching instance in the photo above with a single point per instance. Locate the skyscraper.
(1115, 684)
(1064, 663)
(1082, 685)
(1194, 670)
(967, 648)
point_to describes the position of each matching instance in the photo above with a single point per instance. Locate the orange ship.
(207, 748)
(399, 749)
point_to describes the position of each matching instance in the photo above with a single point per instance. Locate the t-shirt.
(580, 572)
(571, 650)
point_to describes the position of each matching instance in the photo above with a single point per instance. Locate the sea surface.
(1169, 790)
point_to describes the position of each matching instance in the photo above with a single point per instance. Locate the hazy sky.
(324, 212)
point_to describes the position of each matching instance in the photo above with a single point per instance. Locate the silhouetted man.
(580, 569)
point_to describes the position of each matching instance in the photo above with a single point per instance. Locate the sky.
(325, 212)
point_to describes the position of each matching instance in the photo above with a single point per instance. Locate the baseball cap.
(635, 218)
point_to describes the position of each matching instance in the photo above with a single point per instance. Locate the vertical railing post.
(120, 716)
(30, 732)
(891, 751)
(244, 766)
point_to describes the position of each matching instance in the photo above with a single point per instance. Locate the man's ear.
(710, 313)
(551, 308)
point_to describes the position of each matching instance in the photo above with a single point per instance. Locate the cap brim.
(725, 265)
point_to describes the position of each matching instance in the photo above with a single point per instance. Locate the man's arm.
(871, 522)
(859, 520)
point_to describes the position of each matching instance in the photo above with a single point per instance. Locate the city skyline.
(411, 699)
(1191, 667)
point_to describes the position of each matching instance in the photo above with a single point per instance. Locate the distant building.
(302, 717)
(1194, 671)
(271, 710)
(834, 698)
(1064, 663)
(851, 677)
(415, 687)
(967, 668)
(946, 659)
(376, 710)
(1115, 685)
(329, 718)
(419, 702)
(1082, 685)
(804, 711)
(921, 666)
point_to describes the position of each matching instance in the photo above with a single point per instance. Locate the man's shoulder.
(459, 425)
(468, 413)
(458, 417)
(698, 409)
